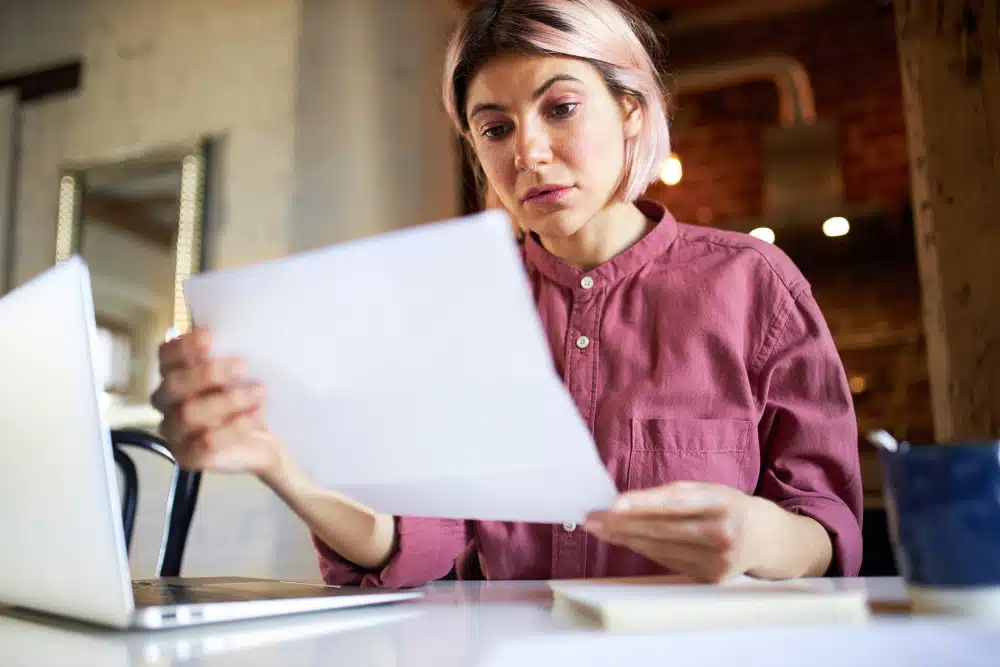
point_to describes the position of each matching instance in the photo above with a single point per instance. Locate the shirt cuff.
(425, 551)
(842, 525)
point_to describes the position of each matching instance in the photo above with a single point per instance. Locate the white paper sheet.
(410, 370)
(903, 643)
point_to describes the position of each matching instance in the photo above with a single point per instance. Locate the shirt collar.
(633, 258)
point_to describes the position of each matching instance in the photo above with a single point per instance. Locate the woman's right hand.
(213, 419)
(213, 415)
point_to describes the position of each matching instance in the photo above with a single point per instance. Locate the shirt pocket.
(695, 450)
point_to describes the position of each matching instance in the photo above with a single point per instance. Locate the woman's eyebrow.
(534, 96)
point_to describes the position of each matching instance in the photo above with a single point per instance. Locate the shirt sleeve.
(809, 432)
(425, 551)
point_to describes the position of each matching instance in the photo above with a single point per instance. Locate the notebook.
(647, 604)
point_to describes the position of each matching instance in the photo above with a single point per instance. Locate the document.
(410, 371)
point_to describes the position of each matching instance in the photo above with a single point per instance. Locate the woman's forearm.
(786, 545)
(355, 532)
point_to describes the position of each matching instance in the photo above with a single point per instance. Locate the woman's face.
(551, 139)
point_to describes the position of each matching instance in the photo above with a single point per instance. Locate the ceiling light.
(836, 226)
(671, 170)
(765, 234)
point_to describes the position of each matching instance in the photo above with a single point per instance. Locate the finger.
(214, 410)
(677, 499)
(234, 446)
(187, 444)
(257, 414)
(714, 533)
(186, 382)
(675, 556)
(184, 350)
(701, 565)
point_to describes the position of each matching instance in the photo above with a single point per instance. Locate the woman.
(698, 357)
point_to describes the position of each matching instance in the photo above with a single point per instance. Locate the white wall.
(161, 72)
(332, 129)
(36, 33)
(421, 175)
(8, 141)
(329, 110)
(158, 73)
(43, 149)
(373, 147)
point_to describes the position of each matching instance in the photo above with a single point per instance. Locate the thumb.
(678, 497)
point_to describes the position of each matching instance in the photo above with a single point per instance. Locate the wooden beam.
(950, 58)
(37, 84)
(130, 216)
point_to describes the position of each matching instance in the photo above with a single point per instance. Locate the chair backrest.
(181, 500)
(130, 492)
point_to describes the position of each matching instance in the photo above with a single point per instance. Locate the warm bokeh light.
(765, 234)
(858, 384)
(671, 172)
(836, 226)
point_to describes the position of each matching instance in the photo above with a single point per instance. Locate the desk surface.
(455, 625)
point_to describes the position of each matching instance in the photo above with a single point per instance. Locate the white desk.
(455, 625)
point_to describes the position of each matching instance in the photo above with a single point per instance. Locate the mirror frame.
(189, 257)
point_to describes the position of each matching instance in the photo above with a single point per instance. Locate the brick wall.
(849, 51)
(867, 286)
(873, 311)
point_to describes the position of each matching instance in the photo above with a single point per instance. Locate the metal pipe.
(795, 94)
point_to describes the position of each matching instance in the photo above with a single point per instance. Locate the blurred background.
(162, 138)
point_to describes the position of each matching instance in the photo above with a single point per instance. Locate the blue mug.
(943, 508)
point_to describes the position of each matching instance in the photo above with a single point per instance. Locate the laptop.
(361, 637)
(63, 547)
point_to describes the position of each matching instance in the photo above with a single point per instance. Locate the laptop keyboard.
(157, 593)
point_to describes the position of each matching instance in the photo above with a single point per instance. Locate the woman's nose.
(533, 149)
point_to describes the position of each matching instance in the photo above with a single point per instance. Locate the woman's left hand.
(706, 531)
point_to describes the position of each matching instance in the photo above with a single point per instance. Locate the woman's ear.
(632, 116)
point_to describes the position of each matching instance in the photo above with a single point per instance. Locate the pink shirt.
(706, 358)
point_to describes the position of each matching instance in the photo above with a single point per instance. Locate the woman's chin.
(556, 225)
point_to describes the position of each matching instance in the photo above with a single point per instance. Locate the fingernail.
(622, 504)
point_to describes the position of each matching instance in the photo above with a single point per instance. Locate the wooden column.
(950, 57)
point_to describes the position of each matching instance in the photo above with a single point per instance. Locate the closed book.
(655, 604)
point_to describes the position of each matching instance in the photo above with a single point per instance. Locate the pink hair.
(609, 36)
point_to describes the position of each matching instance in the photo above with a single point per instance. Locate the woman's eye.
(495, 131)
(562, 110)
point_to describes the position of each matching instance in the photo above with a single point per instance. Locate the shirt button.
(582, 342)
(569, 526)
(587, 282)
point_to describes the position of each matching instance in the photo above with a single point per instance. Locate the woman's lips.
(548, 195)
